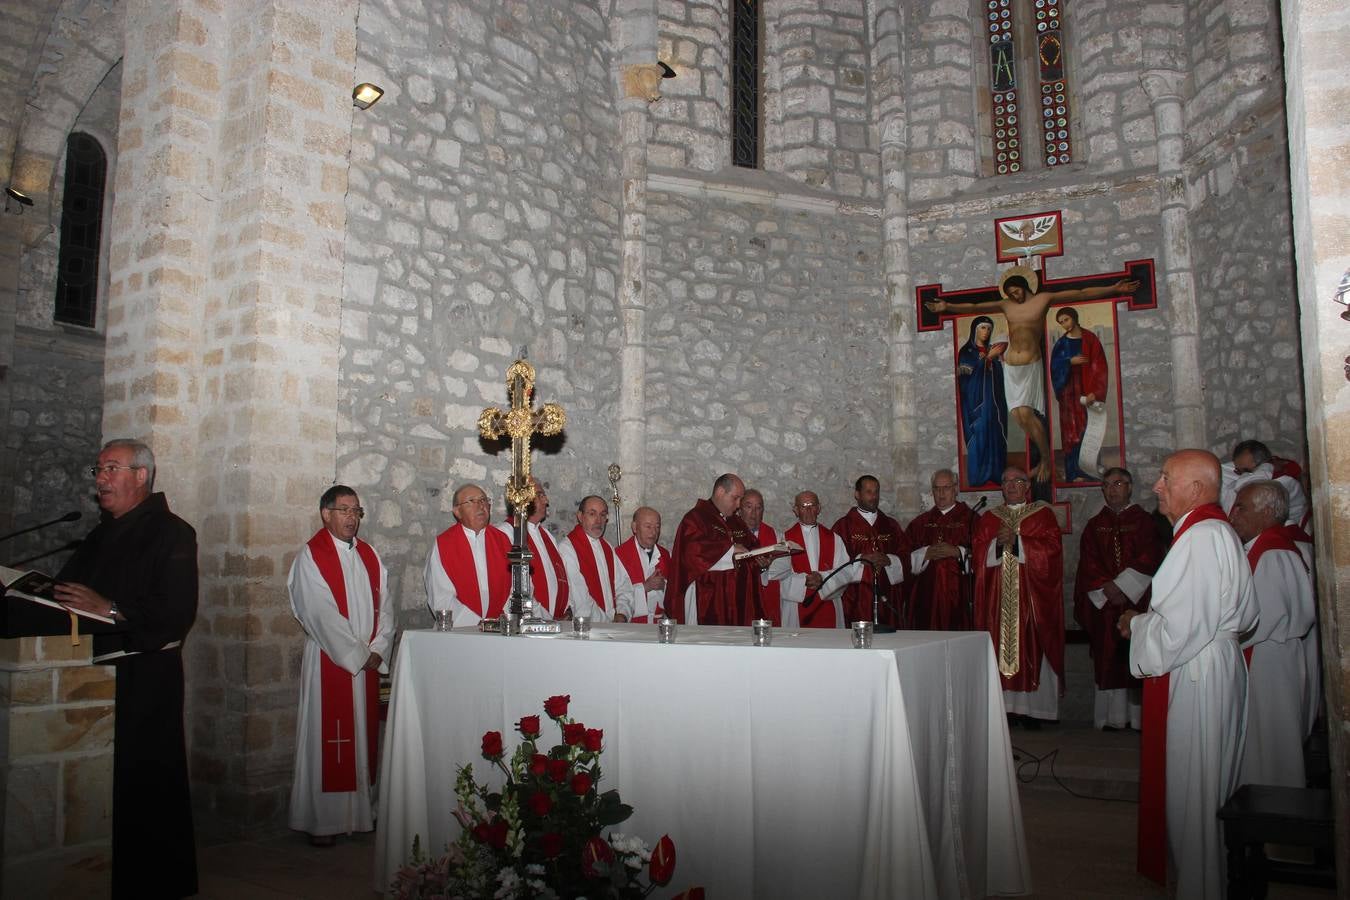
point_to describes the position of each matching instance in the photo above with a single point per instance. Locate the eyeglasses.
(807, 504)
(476, 501)
(95, 471)
(1017, 481)
(357, 511)
(1118, 482)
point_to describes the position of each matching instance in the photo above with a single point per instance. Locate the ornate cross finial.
(520, 422)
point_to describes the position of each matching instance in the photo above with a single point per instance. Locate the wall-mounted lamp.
(1342, 295)
(365, 95)
(666, 71)
(18, 196)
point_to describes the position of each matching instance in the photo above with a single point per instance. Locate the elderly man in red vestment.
(939, 588)
(1019, 599)
(647, 563)
(877, 539)
(770, 588)
(1119, 552)
(706, 585)
(467, 571)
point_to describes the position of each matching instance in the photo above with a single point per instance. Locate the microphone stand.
(68, 545)
(72, 516)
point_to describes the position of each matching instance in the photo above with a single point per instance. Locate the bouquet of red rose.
(541, 834)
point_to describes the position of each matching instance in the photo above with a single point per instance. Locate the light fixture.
(666, 71)
(1342, 295)
(18, 196)
(365, 95)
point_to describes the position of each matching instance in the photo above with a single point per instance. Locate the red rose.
(556, 707)
(581, 783)
(541, 803)
(539, 765)
(663, 861)
(491, 833)
(550, 844)
(558, 769)
(573, 733)
(529, 727)
(492, 745)
(594, 737)
(596, 857)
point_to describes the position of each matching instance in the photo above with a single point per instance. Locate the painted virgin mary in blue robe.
(984, 412)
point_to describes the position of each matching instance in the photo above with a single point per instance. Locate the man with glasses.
(337, 586)
(805, 604)
(939, 588)
(1019, 599)
(138, 567)
(600, 585)
(467, 570)
(1119, 552)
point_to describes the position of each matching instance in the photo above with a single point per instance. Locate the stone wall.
(483, 217)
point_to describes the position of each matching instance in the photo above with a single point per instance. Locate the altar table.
(803, 769)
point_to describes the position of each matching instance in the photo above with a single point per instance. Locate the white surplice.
(1233, 482)
(348, 643)
(543, 606)
(618, 596)
(1281, 702)
(1202, 600)
(441, 592)
(793, 590)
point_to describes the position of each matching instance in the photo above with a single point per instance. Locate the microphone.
(981, 504)
(71, 516)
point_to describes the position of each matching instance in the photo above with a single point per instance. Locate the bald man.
(646, 562)
(1186, 646)
(707, 585)
(467, 571)
(808, 602)
(600, 587)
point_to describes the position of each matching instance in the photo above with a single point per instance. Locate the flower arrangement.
(540, 836)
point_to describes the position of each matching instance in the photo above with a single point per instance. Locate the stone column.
(1316, 70)
(893, 127)
(1163, 87)
(223, 338)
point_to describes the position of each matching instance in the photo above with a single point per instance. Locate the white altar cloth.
(805, 769)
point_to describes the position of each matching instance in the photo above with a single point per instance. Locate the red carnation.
(529, 727)
(539, 765)
(596, 857)
(594, 738)
(663, 861)
(573, 733)
(550, 844)
(541, 803)
(492, 745)
(558, 769)
(556, 706)
(581, 783)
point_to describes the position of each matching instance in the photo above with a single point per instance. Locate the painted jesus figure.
(1023, 364)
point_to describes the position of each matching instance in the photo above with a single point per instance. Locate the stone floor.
(1080, 848)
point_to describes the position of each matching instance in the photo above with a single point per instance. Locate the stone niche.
(56, 752)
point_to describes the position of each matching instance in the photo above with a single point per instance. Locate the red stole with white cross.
(590, 573)
(1151, 858)
(457, 559)
(337, 711)
(816, 611)
(627, 553)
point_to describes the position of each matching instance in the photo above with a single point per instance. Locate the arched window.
(1026, 39)
(81, 231)
(745, 84)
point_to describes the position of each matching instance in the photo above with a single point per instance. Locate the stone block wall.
(482, 217)
(56, 736)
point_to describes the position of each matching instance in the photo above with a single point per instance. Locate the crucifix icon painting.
(1052, 402)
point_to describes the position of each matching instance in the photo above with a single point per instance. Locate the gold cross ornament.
(520, 423)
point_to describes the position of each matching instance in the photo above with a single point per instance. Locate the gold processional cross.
(520, 422)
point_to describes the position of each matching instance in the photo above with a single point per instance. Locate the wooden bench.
(1259, 814)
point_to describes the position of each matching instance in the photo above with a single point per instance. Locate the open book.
(782, 548)
(38, 588)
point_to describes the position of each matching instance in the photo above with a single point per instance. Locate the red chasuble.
(940, 595)
(724, 598)
(1113, 542)
(336, 706)
(590, 573)
(457, 560)
(885, 537)
(627, 554)
(771, 594)
(815, 611)
(1151, 839)
(1036, 627)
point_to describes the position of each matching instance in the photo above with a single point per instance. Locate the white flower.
(510, 884)
(534, 869)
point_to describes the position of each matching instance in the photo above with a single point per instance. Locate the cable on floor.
(1026, 758)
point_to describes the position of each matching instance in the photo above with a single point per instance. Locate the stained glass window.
(1006, 110)
(81, 231)
(1003, 83)
(745, 83)
(1054, 93)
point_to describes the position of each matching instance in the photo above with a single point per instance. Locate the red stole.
(337, 712)
(1276, 538)
(771, 594)
(590, 573)
(457, 560)
(548, 556)
(627, 553)
(816, 611)
(1151, 860)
